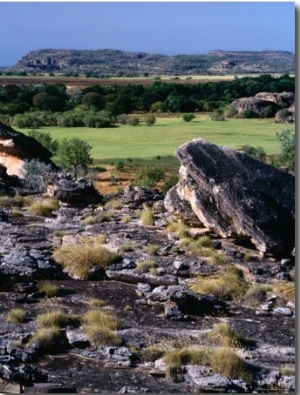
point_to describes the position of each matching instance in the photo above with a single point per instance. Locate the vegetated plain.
(145, 143)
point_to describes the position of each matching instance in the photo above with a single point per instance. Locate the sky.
(170, 28)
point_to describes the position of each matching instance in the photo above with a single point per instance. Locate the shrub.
(32, 172)
(149, 176)
(79, 260)
(229, 284)
(44, 208)
(147, 217)
(217, 115)
(57, 318)
(49, 289)
(223, 335)
(16, 316)
(188, 117)
(149, 119)
(257, 152)
(134, 121)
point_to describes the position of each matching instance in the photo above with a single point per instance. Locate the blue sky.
(157, 27)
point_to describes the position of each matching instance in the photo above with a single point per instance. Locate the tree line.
(101, 106)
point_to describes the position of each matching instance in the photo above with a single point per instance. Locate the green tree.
(74, 153)
(288, 149)
(45, 139)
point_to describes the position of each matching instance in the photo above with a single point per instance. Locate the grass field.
(163, 138)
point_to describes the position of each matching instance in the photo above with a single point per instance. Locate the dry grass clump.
(16, 316)
(229, 284)
(256, 294)
(204, 247)
(100, 326)
(47, 339)
(91, 220)
(146, 216)
(15, 201)
(96, 303)
(49, 289)
(152, 249)
(114, 205)
(145, 266)
(79, 260)
(174, 359)
(285, 290)
(180, 229)
(57, 318)
(44, 208)
(223, 335)
(227, 363)
(126, 218)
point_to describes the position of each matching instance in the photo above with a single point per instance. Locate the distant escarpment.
(113, 62)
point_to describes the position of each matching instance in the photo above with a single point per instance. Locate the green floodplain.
(145, 143)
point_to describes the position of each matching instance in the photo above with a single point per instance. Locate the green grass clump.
(79, 259)
(287, 371)
(49, 289)
(145, 266)
(57, 318)
(44, 208)
(203, 247)
(15, 201)
(147, 217)
(16, 316)
(100, 328)
(223, 335)
(228, 284)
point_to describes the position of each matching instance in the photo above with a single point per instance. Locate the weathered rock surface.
(16, 147)
(155, 308)
(235, 195)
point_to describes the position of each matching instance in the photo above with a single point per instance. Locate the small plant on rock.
(49, 289)
(223, 335)
(57, 318)
(145, 266)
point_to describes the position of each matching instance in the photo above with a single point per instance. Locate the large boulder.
(76, 192)
(236, 195)
(16, 148)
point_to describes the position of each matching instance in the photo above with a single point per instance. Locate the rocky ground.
(155, 307)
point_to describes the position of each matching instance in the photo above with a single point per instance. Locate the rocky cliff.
(112, 62)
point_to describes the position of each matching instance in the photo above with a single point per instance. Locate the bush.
(80, 260)
(149, 119)
(188, 117)
(257, 152)
(46, 140)
(217, 115)
(149, 176)
(16, 316)
(134, 121)
(32, 173)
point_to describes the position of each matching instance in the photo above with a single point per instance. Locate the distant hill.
(114, 62)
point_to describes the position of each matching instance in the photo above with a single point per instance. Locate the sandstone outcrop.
(236, 195)
(16, 147)
(265, 104)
